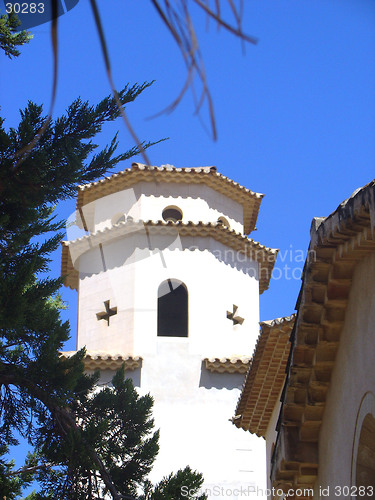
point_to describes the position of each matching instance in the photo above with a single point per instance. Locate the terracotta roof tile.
(234, 364)
(94, 360)
(337, 243)
(265, 376)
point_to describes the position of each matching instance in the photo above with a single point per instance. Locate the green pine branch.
(10, 39)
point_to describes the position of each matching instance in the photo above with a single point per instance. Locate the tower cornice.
(101, 360)
(252, 249)
(208, 176)
(233, 364)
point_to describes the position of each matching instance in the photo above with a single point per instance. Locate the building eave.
(233, 364)
(265, 256)
(265, 377)
(337, 244)
(98, 360)
(203, 175)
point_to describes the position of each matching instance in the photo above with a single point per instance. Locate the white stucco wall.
(192, 405)
(215, 277)
(192, 409)
(352, 378)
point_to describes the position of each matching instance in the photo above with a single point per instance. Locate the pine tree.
(36, 384)
(87, 443)
(9, 37)
(117, 424)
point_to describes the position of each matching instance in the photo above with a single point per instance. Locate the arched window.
(363, 454)
(365, 466)
(172, 309)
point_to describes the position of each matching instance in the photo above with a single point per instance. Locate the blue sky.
(295, 114)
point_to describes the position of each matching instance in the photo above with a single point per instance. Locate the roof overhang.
(204, 175)
(106, 361)
(251, 249)
(234, 364)
(265, 377)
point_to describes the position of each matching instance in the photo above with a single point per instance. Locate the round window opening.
(173, 214)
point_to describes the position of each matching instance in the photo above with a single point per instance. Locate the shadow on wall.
(202, 193)
(208, 380)
(107, 375)
(229, 381)
(227, 256)
(135, 242)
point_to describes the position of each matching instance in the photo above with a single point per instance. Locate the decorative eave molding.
(234, 364)
(107, 361)
(265, 256)
(265, 377)
(203, 175)
(68, 271)
(337, 244)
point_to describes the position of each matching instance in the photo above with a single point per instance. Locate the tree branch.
(66, 423)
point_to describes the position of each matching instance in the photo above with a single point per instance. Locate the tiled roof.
(234, 364)
(68, 271)
(338, 242)
(166, 173)
(109, 361)
(265, 256)
(265, 377)
(94, 360)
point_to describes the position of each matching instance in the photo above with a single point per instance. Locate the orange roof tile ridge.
(255, 361)
(230, 359)
(230, 237)
(163, 168)
(346, 211)
(102, 355)
(115, 228)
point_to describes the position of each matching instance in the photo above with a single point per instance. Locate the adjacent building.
(320, 428)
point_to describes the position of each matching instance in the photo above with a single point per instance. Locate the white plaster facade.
(213, 287)
(193, 405)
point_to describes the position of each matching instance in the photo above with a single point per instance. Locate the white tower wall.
(146, 201)
(215, 279)
(192, 404)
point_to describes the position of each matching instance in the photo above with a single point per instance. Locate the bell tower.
(168, 283)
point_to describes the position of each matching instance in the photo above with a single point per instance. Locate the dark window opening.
(172, 213)
(172, 309)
